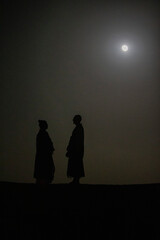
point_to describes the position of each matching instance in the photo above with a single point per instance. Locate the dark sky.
(61, 58)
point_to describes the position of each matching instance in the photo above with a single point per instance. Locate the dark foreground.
(63, 211)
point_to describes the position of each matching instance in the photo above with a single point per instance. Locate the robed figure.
(75, 151)
(44, 166)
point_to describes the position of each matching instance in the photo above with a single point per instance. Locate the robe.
(44, 166)
(75, 153)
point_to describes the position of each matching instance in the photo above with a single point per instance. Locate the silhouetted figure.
(75, 151)
(44, 166)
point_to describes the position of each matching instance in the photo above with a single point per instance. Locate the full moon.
(124, 48)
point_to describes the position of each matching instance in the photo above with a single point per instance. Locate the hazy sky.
(61, 58)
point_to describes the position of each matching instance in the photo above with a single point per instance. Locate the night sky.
(61, 58)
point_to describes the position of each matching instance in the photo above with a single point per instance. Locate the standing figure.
(75, 151)
(44, 166)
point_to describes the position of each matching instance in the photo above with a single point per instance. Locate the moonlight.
(124, 48)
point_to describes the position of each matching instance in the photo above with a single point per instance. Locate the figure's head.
(77, 119)
(43, 124)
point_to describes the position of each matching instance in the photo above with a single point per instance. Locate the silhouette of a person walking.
(75, 151)
(44, 166)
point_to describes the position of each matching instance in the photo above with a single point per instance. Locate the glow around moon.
(124, 48)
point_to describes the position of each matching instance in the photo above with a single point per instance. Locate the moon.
(124, 48)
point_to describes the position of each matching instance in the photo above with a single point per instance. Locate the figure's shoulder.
(39, 134)
(81, 127)
(42, 134)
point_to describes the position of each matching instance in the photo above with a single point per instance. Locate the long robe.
(44, 165)
(75, 153)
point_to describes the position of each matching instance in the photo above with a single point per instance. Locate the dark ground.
(62, 211)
